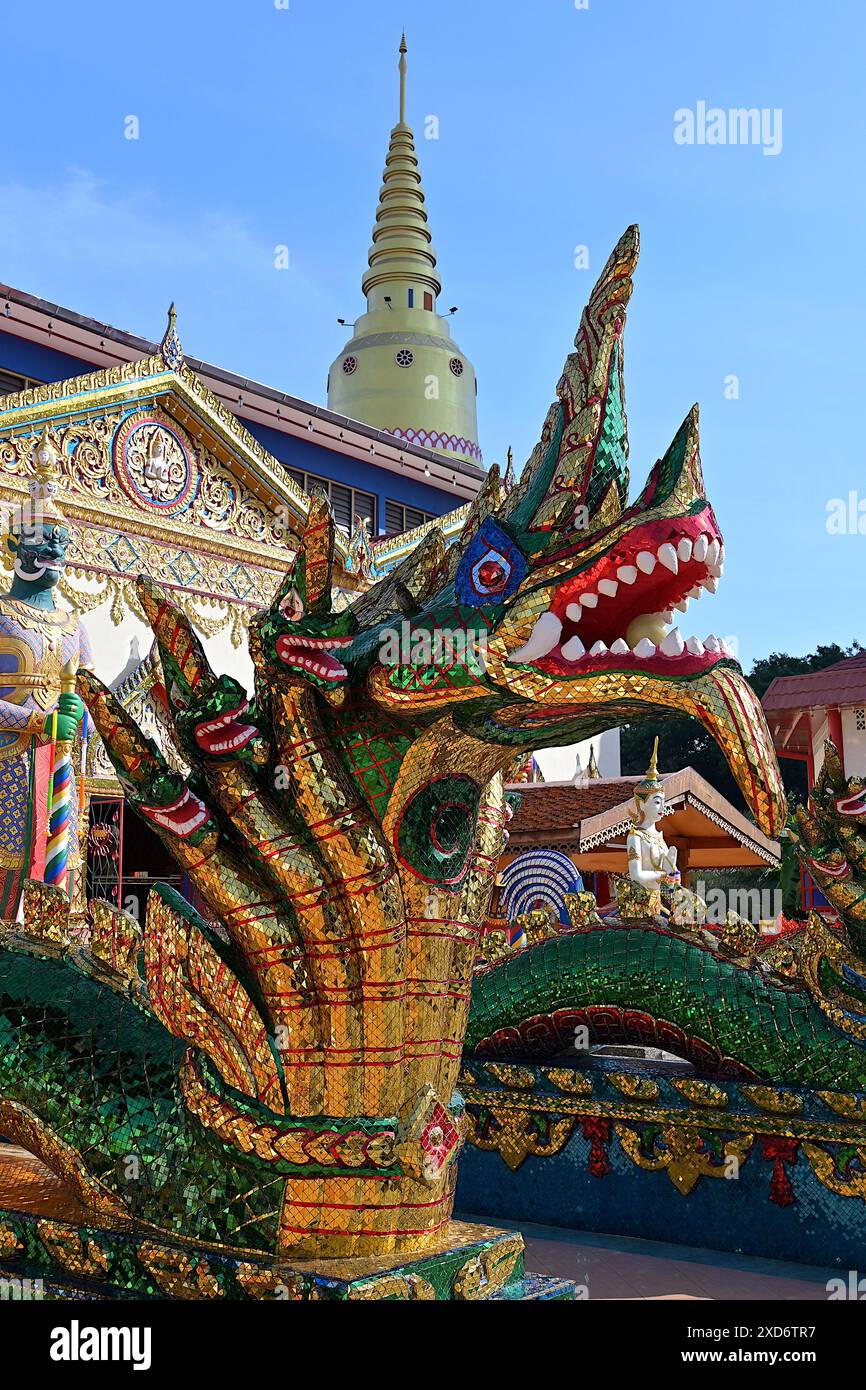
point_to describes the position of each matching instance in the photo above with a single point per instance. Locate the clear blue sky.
(261, 126)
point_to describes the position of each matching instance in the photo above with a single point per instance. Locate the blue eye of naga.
(492, 568)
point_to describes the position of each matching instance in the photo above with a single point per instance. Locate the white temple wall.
(119, 648)
(558, 764)
(855, 741)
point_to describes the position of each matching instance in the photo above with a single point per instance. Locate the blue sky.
(262, 126)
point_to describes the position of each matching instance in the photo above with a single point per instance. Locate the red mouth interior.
(312, 655)
(657, 592)
(226, 733)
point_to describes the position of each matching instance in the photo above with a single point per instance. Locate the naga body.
(279, 1072)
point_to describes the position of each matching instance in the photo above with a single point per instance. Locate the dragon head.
(300, 634)
(552, 618)
(157, 791)
(210, 713)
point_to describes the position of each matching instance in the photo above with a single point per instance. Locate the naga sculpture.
(278, 1076)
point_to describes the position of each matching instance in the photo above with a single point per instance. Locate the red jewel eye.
(491, 574)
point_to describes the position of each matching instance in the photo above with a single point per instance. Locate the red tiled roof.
(841, 684)
(553, 806)
(591, 813)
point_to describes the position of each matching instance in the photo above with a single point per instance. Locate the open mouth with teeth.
(226, 733)
(182, 817)
(313, 655)
(852, 805)
(621, 611)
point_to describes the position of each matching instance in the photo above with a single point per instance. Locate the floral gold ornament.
(679, 1152)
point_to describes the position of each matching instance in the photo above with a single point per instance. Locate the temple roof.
(841, 684)
(589, 821)
(86, 339)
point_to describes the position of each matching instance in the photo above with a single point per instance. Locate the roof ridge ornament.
(170, 347)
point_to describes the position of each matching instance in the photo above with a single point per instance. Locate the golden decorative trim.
(568, 1080)
(489, 1271)
(824, 1167)
(680, 1157)
(148, 382)
(774, 1101)
(76, 1252)
(511, 1075)
(179, 1275)
(634, 1086)
(578, 1106)
(515, 1138)
(698, 1092)
(853, 1107)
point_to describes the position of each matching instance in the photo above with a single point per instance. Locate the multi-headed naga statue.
(282, 1069)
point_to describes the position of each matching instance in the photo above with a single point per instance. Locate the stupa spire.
(401, 370)
(402, 249)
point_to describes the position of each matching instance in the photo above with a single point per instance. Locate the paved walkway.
(618, 1267)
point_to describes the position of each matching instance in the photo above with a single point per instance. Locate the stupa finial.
(403, 51)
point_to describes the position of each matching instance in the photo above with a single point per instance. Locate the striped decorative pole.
(62, 785)
(82, 781)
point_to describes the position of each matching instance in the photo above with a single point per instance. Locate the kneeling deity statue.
(650, 862)
(41, 647)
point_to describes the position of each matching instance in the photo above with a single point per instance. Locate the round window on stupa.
(456, 366)
(404, 358)
(349, 365)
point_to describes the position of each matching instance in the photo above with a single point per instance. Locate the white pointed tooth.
(727, 648)
(716, 570)
(695, 646)
(712, 644)
(573, 649)
(695, 592)
(684, 549)
(574, 611)
(668, 616)
(713, 551)
(600, 649)
(608, 587)
(619, 647)
(673, 645)
(701, 547)
(668, 557)
(682, 605)
(589, 600)
(542, 639)
(627, 573)
(645, 648)
(646, 561)
(711, 584)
